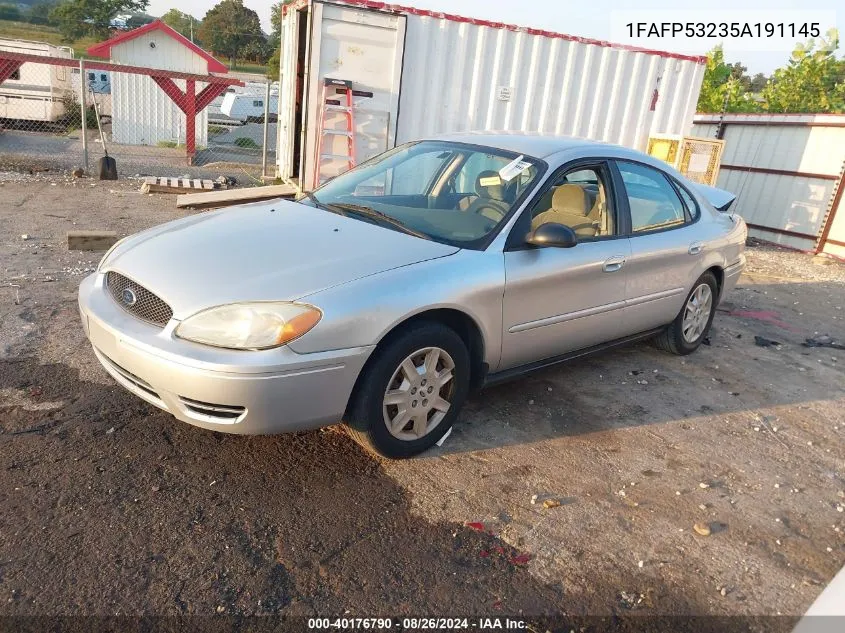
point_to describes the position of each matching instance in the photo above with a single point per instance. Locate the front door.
(558, 300)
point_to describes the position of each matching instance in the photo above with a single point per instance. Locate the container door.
(288, 93)
(364, 47)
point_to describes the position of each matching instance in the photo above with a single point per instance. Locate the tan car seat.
(491, 197)
(573, 206)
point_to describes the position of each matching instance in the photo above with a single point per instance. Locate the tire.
(672, 339)
(368, 413)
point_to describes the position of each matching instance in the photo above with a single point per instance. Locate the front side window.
(257, 104)
(579, 200)
(653, 201)
(449, 192)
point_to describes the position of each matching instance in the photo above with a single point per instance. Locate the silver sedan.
(384, 296)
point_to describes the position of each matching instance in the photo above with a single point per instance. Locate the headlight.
(259, 325)
(109, 252)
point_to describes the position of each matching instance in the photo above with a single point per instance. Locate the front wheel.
(692, 324)
(410, 394)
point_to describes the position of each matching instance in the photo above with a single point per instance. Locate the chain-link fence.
(153, 122)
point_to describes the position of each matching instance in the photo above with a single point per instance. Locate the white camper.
(35, 91)
(412, 73)
(249, 106)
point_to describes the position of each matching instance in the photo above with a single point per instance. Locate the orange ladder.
(330, 103)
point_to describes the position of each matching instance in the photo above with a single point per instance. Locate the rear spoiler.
(719, 198)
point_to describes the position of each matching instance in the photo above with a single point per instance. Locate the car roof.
(536, 145)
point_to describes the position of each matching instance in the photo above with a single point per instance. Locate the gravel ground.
(109, 506)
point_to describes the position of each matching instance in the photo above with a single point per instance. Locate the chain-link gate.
(63, 113)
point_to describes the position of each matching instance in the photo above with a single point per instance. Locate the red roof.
(103, 49)
(397, 8)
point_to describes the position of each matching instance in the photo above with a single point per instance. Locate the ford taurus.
(384, 296)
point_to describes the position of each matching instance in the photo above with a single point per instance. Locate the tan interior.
(577, 208)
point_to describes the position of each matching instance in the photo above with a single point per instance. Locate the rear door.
(364, 47)
(666, 245)
(558, 300)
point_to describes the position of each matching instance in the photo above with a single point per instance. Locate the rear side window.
(653, 200)
(692, 207)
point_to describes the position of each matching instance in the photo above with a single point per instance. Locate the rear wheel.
(410, 394)
(692, 324)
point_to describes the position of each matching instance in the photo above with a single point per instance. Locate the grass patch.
(213, 130)
(249, 68)
(169, 144)
(246, 142)
(42, 33)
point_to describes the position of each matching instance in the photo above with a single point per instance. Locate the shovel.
(106, 165)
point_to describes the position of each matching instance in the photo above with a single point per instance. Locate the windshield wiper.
(322, 205)
(380, 216)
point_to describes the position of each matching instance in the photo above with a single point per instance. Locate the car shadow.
(754, 359)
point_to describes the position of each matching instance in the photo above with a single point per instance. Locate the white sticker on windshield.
(514, 168)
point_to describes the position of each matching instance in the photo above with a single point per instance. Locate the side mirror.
(552, 234)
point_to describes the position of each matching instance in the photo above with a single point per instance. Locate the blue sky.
(590, 18)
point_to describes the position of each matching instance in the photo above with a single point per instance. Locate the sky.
(591, 18)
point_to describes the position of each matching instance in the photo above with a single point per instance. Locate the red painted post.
(190, 119)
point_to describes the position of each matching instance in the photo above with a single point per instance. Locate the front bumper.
(245, 392)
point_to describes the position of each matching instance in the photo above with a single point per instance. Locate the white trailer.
(36, 91)
(249, 106)
(416, 73)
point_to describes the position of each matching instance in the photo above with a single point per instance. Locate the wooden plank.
(208, 184)
(186, 184)
(197, 183)
(163, 182)
(174, 182)
(90, 240)
(150, 180)
(223, 198)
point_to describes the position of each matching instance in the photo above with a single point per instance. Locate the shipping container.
(415, 73)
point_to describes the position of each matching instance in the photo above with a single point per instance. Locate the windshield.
(449, 192)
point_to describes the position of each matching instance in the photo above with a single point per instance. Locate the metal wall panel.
(454, 74)
(794, 202)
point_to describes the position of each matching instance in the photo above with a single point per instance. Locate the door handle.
(695, 248)
(612, 264)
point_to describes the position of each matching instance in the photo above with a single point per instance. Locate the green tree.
(39, 13)
(758, 82)
(812, 81)
(9, 12)
(78, 18)
(274, 63)
(276, 39)
(230, 29)
(723, 87)
(184, 23)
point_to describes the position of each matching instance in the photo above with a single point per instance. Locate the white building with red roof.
(143, 111)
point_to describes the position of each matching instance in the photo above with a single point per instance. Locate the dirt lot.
(109, 506)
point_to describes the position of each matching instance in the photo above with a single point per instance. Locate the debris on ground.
(762, 341)
(551, 503)
(25, 237)
(702, 528)
(823, 340)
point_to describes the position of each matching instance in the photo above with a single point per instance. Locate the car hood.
(276, 250)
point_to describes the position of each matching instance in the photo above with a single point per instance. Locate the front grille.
(137, 300)
(223, 412)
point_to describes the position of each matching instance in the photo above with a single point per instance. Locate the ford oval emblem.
(128, 297)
